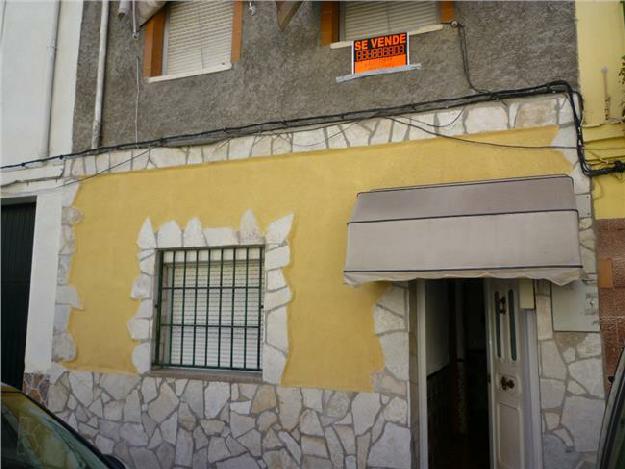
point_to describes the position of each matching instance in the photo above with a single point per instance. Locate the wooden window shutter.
(237, 31)
(446, 11)
(329, 28)
(153, 46)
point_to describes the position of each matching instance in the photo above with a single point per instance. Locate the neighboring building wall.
(611, 255)
(287, 74)
(27, 30)
(348, 376)
(27, 42)
(601, 34)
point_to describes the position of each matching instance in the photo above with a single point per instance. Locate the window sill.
(228, 376)
(215, 69)
(382, 71)
(421, 30)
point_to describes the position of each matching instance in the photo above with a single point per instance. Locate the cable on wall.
(215, 135)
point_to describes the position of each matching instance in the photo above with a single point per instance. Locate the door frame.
(530, 338)
(422, 376)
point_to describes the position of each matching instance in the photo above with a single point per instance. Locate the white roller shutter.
(368, 19)
(198, 36)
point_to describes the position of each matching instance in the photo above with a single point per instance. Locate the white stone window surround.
(277, 293)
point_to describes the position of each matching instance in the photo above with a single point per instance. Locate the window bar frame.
(184, 296)
(160, 357)
(171, 306)
(197, 269)
(221, 291)
(234, 281)
(260, 305)
(208, 290)
(247, 283)
(159, 302)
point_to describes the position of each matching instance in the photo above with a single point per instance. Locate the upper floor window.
(342, 22)
(191, 38)
(198, 37)
(369, 19)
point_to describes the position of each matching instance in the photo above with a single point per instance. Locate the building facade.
(266, 261)
(602, 86)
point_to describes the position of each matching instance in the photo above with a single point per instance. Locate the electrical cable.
(90, 176)
(464, 50)
(107, 170)
(215, 135)
(480, 142)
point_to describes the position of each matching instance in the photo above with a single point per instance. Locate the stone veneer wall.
(156, 422)
(109, 416)
(571, 390)
(159, 421)
(471, 119)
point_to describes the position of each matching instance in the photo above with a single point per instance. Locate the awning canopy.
(526, 228)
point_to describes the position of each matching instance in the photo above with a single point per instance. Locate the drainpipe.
(49, 81)
(97, 116)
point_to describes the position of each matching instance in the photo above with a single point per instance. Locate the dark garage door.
(18, 223)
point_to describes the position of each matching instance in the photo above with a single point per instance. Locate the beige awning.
(513, 228)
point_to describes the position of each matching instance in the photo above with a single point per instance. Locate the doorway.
(477, 397)
(457, 385)
(18, 224)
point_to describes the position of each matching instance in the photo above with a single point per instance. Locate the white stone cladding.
(152, 421)
(63, 347)
(277, 293)
(571, 389)
(146, 419)
(467, 120)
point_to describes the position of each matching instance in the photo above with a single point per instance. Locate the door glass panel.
(498, 323)
(512, 320)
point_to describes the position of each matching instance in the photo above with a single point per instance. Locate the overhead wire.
(305, 123)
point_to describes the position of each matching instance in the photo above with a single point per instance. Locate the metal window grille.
(210, 308)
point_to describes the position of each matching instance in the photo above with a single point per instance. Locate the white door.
(507, 383)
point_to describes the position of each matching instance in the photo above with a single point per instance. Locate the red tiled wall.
(611, 262)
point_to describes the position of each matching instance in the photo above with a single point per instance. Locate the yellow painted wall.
(330, 324)
(609, 190)
(601, 43)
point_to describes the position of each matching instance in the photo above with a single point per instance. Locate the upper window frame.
(154, 45)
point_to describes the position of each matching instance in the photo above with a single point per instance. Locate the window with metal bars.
(209, 312)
